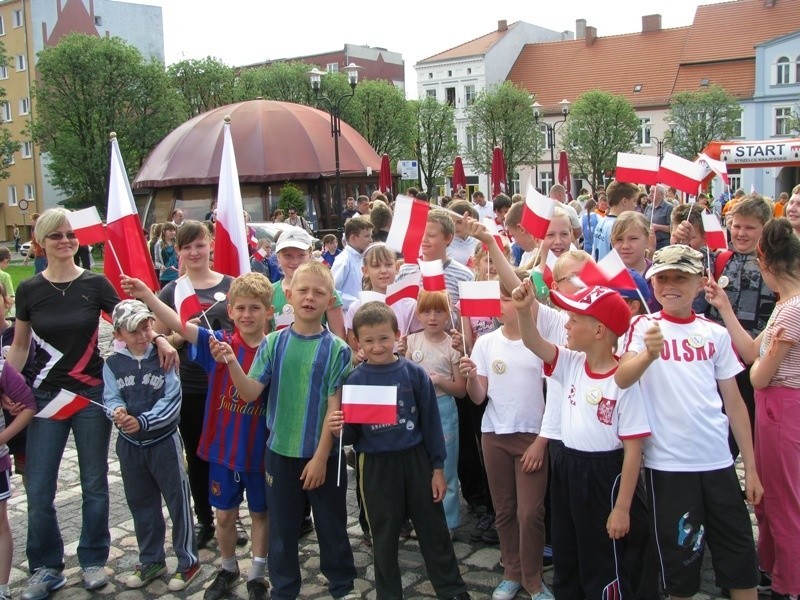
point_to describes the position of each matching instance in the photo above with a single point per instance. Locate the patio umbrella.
(459, 178)
(385, 177)
(499, 181)
(563, 173)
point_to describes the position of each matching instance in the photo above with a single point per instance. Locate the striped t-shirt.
(786, 316)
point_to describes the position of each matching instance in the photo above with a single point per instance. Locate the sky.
(249, 31)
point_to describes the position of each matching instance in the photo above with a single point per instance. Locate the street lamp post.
(551, 132)
(660, 142)
(334, 107)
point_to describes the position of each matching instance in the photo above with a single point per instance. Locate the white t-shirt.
(404, 309)
(550, 324)
(487, 210)
(514, 375)
(462, 250)
(595, 414)
(690, 431)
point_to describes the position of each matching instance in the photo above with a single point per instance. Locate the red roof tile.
(736, 76)
(476, 47)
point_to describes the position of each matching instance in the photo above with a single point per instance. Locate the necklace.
(63, 291)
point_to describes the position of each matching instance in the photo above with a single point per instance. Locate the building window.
(24, 106)
(782, 70)
(18, 18)
(2, 26)
(332, 67)
(545, 181)
(20, 62)
(472, 139)
(26, 150)
(430, 75)
(5, 111)
(469, 70)
(783, 116)
(449, 73)
(734, 179)
(643, 136)
(797, 69)
(12, 195)
(430, 94)
(9, 160)
(30, 192)
(450, 96)
(3, 72)
(737, 128)
(469, 94)
(98, 21)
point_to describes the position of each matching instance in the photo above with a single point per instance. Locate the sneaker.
(94, 578)
(5, 595)
(765, 583)
(257, 590)
(486, 521)
(544, 594)
(182, 579)
(241, 534)
(307, 526)
(490, 535)
(507, 590)
(203, 533)
(43, 581)
(144, 574)
(222, 585)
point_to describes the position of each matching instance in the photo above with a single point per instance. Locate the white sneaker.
(94, 578)
(507, 590)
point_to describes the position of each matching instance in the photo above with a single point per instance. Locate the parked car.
(23, 249)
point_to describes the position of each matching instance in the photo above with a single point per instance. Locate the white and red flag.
(408, 227)
(63, 406)
(713, 166)
(549, 265)
(88, 226)
(365, 296)
(432, 275)
(260, 254)
(537, 213)
(680, 173)
(610, 272)
(636, 168)
(715, 234)
(491, 227)
(370, 404)
(187, 303)
(479, 298)
(230, 233)
(407, 287)
(128, 249)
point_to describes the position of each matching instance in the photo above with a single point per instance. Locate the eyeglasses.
(292, 212)
(57, 236)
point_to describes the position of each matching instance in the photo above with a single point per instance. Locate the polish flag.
(408, 227)
(88, 226)
(128, 251)
(549, 266)
(680, 173)
(260, 254)
(713, 166)
(609, 272)
(715, 234)
(407, 287)
(537, 213)
(479, 298)
(230, 234)
(491, 227)
(636, 168)
(370, 404)
(432, 275)
(371, 296)
(63, 406)
(187, 303)
(253, 242)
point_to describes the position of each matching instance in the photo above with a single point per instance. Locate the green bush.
(292, 197)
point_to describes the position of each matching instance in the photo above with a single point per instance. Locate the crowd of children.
(607, 421)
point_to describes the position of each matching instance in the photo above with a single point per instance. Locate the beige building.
(26, 28)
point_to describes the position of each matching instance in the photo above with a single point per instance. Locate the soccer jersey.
(284, 313)
(690, 431)
(514, 377)
(550, 323)
(302, 372)
(234, 431)
(596, 415)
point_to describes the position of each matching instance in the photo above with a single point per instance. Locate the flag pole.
(114, 254)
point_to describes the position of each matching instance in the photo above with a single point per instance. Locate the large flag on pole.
(126, 250)
(230, 235)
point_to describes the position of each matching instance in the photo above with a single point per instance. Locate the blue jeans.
(448, 413)
(39, 264)
(47, 439)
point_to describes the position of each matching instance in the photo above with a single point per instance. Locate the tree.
(8, 145)
(794, 121)
(599, 125)
(701, 117)
(292, 198)
(502, 117)
(380, 113)
(88, 87)
(434, 139)
(202, 84)
(285, 82)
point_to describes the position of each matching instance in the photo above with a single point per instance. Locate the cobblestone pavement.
(479, 562)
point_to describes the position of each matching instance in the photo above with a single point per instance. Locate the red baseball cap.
(602, 303)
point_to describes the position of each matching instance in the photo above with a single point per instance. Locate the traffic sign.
(23, 205)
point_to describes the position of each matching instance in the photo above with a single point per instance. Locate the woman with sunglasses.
(61, 306)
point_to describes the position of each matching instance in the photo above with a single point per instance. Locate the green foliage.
(699, 118)
(380, 112)
(502, 117)
(599, 125)
(284, 82)
(434, 139)
(88, 87)
(292, 197)
(203, 84)
(8, 145)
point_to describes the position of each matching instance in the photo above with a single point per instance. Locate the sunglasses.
(57, 236)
